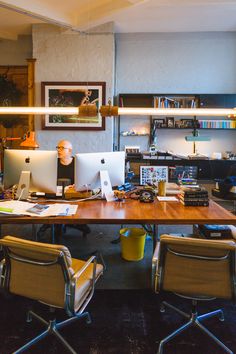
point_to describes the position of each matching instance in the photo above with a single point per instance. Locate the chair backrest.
(196, 267)
(36, 270)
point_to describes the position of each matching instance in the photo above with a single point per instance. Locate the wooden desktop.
(134, 212)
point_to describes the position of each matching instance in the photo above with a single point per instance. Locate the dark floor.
(123, 322)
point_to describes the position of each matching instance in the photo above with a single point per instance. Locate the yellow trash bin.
(132, 243)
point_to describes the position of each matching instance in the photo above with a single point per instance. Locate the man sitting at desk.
(65, 170)
(65, 166)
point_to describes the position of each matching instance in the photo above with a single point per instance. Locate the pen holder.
(162, 188)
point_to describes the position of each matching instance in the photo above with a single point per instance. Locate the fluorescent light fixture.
(91, 110)
(176, 111)
(39, 110)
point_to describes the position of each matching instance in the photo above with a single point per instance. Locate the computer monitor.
(40, 166)
(89, 165)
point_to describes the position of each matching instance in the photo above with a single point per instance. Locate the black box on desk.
(215, 231)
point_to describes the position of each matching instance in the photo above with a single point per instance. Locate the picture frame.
(170, 122)
(73, 94)
(187, 123)
(158, 123)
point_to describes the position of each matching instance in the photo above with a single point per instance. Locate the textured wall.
(64, 56)
(15, 52)
(177, 63)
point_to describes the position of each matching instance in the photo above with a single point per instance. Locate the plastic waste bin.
(132, 243)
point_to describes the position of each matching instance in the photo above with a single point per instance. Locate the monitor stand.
(23, 185)
(106, 188)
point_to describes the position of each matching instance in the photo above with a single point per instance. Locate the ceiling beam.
(33, 9)
(8, 35)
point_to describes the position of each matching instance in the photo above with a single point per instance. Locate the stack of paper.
(15, 207)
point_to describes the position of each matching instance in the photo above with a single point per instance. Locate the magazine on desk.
(20, 208)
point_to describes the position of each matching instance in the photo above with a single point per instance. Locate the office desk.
(133, 212)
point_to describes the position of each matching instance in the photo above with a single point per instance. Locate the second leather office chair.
(195, 269)
(48, 274)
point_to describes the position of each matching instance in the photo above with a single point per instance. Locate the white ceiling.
(17, 16)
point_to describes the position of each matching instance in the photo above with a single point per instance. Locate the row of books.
(194, 197)
(217, 124)
(168, 102)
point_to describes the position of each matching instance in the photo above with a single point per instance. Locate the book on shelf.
(216, 124)
(174, 102)
(198, 199)
(187, 181)
(193, 196)
(195, 191)
(195, 203)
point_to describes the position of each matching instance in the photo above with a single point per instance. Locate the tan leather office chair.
(195, 269)
(47, 273)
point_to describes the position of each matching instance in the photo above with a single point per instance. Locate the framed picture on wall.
(186, 123)
(170, 122)
(158, 123)
(73, 94)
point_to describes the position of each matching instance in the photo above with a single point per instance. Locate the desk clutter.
(194, 197)
(20, 208)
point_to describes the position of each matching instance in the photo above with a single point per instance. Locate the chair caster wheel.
(162, 308)
(29, 317)
(222, 318)
(88, 319)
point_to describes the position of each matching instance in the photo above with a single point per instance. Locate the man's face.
(64, 149)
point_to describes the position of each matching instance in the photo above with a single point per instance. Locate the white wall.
(177, 63)
(67, 56)
(15, 52)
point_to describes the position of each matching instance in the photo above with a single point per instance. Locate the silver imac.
(89, 165)
(37, 167)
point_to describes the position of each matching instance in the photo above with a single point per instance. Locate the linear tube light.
(177, 111)
(91, 110)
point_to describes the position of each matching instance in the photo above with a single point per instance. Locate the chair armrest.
(2, 273)
(71, 293)
(77, 274)
(155, 266)
(156, 252)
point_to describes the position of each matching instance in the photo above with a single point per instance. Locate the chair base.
(52, 328)
(194, 320)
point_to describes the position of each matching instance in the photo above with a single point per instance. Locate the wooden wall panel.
(19, 75)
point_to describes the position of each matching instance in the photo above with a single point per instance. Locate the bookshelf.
(145, 132)
(175, 101)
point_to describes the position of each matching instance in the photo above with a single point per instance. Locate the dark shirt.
(66, 171)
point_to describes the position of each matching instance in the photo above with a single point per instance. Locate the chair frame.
(193, 319)
(70, 286)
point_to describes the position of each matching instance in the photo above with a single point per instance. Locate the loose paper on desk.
(167, 199)
(16, 207)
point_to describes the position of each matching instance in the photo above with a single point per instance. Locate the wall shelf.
(197, 128)
(128, 135)
(174, 100)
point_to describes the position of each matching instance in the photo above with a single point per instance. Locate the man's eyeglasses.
(61, 148)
